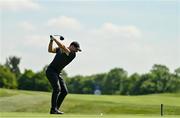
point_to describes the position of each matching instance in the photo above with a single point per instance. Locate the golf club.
(60, 37)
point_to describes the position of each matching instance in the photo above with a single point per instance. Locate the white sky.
(133, 35)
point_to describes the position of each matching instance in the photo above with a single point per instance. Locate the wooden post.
(162, 110)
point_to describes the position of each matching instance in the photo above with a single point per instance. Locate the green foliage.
(113, 82)
(132, 84)
(41, 83)
(177, 72)
(116, 81)
(7, 78)
(74, 84)
(99, 80)
(26, 81)
(34, 81)
(87, 85)
(164, 80)
(147, 85)
(13, 64)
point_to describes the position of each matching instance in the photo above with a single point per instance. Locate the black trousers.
(59, 88)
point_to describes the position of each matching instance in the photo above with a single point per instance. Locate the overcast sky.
(130, 34)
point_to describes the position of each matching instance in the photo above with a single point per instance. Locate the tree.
(13, 64)
(75, 84)
(26, 81)
(147, 85)
(133, 84)
(177, 72)
(99, 80)
(161, 76)
(114, 81)
(7, 78)
(40, 82)
(174, 84)
(87, 85)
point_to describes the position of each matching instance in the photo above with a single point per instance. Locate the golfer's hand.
(51, 38)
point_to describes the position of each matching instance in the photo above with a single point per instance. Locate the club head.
(61, 38)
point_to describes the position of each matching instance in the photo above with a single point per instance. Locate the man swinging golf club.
(64, 55)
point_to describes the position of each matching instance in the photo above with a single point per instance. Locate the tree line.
(117, 81)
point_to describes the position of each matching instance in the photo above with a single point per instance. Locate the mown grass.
(45, 115)
(16, 102)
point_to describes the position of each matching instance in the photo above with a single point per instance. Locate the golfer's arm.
(50, 47)
(61, 46)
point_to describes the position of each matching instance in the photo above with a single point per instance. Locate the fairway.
(34, 104)
(45, 115)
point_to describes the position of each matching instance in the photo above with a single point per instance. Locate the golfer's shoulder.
(72, 54)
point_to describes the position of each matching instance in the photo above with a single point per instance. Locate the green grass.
(36, 104)
(45, 115)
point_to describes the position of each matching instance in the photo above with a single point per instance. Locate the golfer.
(64, 55)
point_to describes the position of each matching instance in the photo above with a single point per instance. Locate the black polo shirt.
(61, 60)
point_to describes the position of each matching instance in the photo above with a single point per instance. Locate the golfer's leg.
(55, 94)
(53, 79)
(63, 93)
